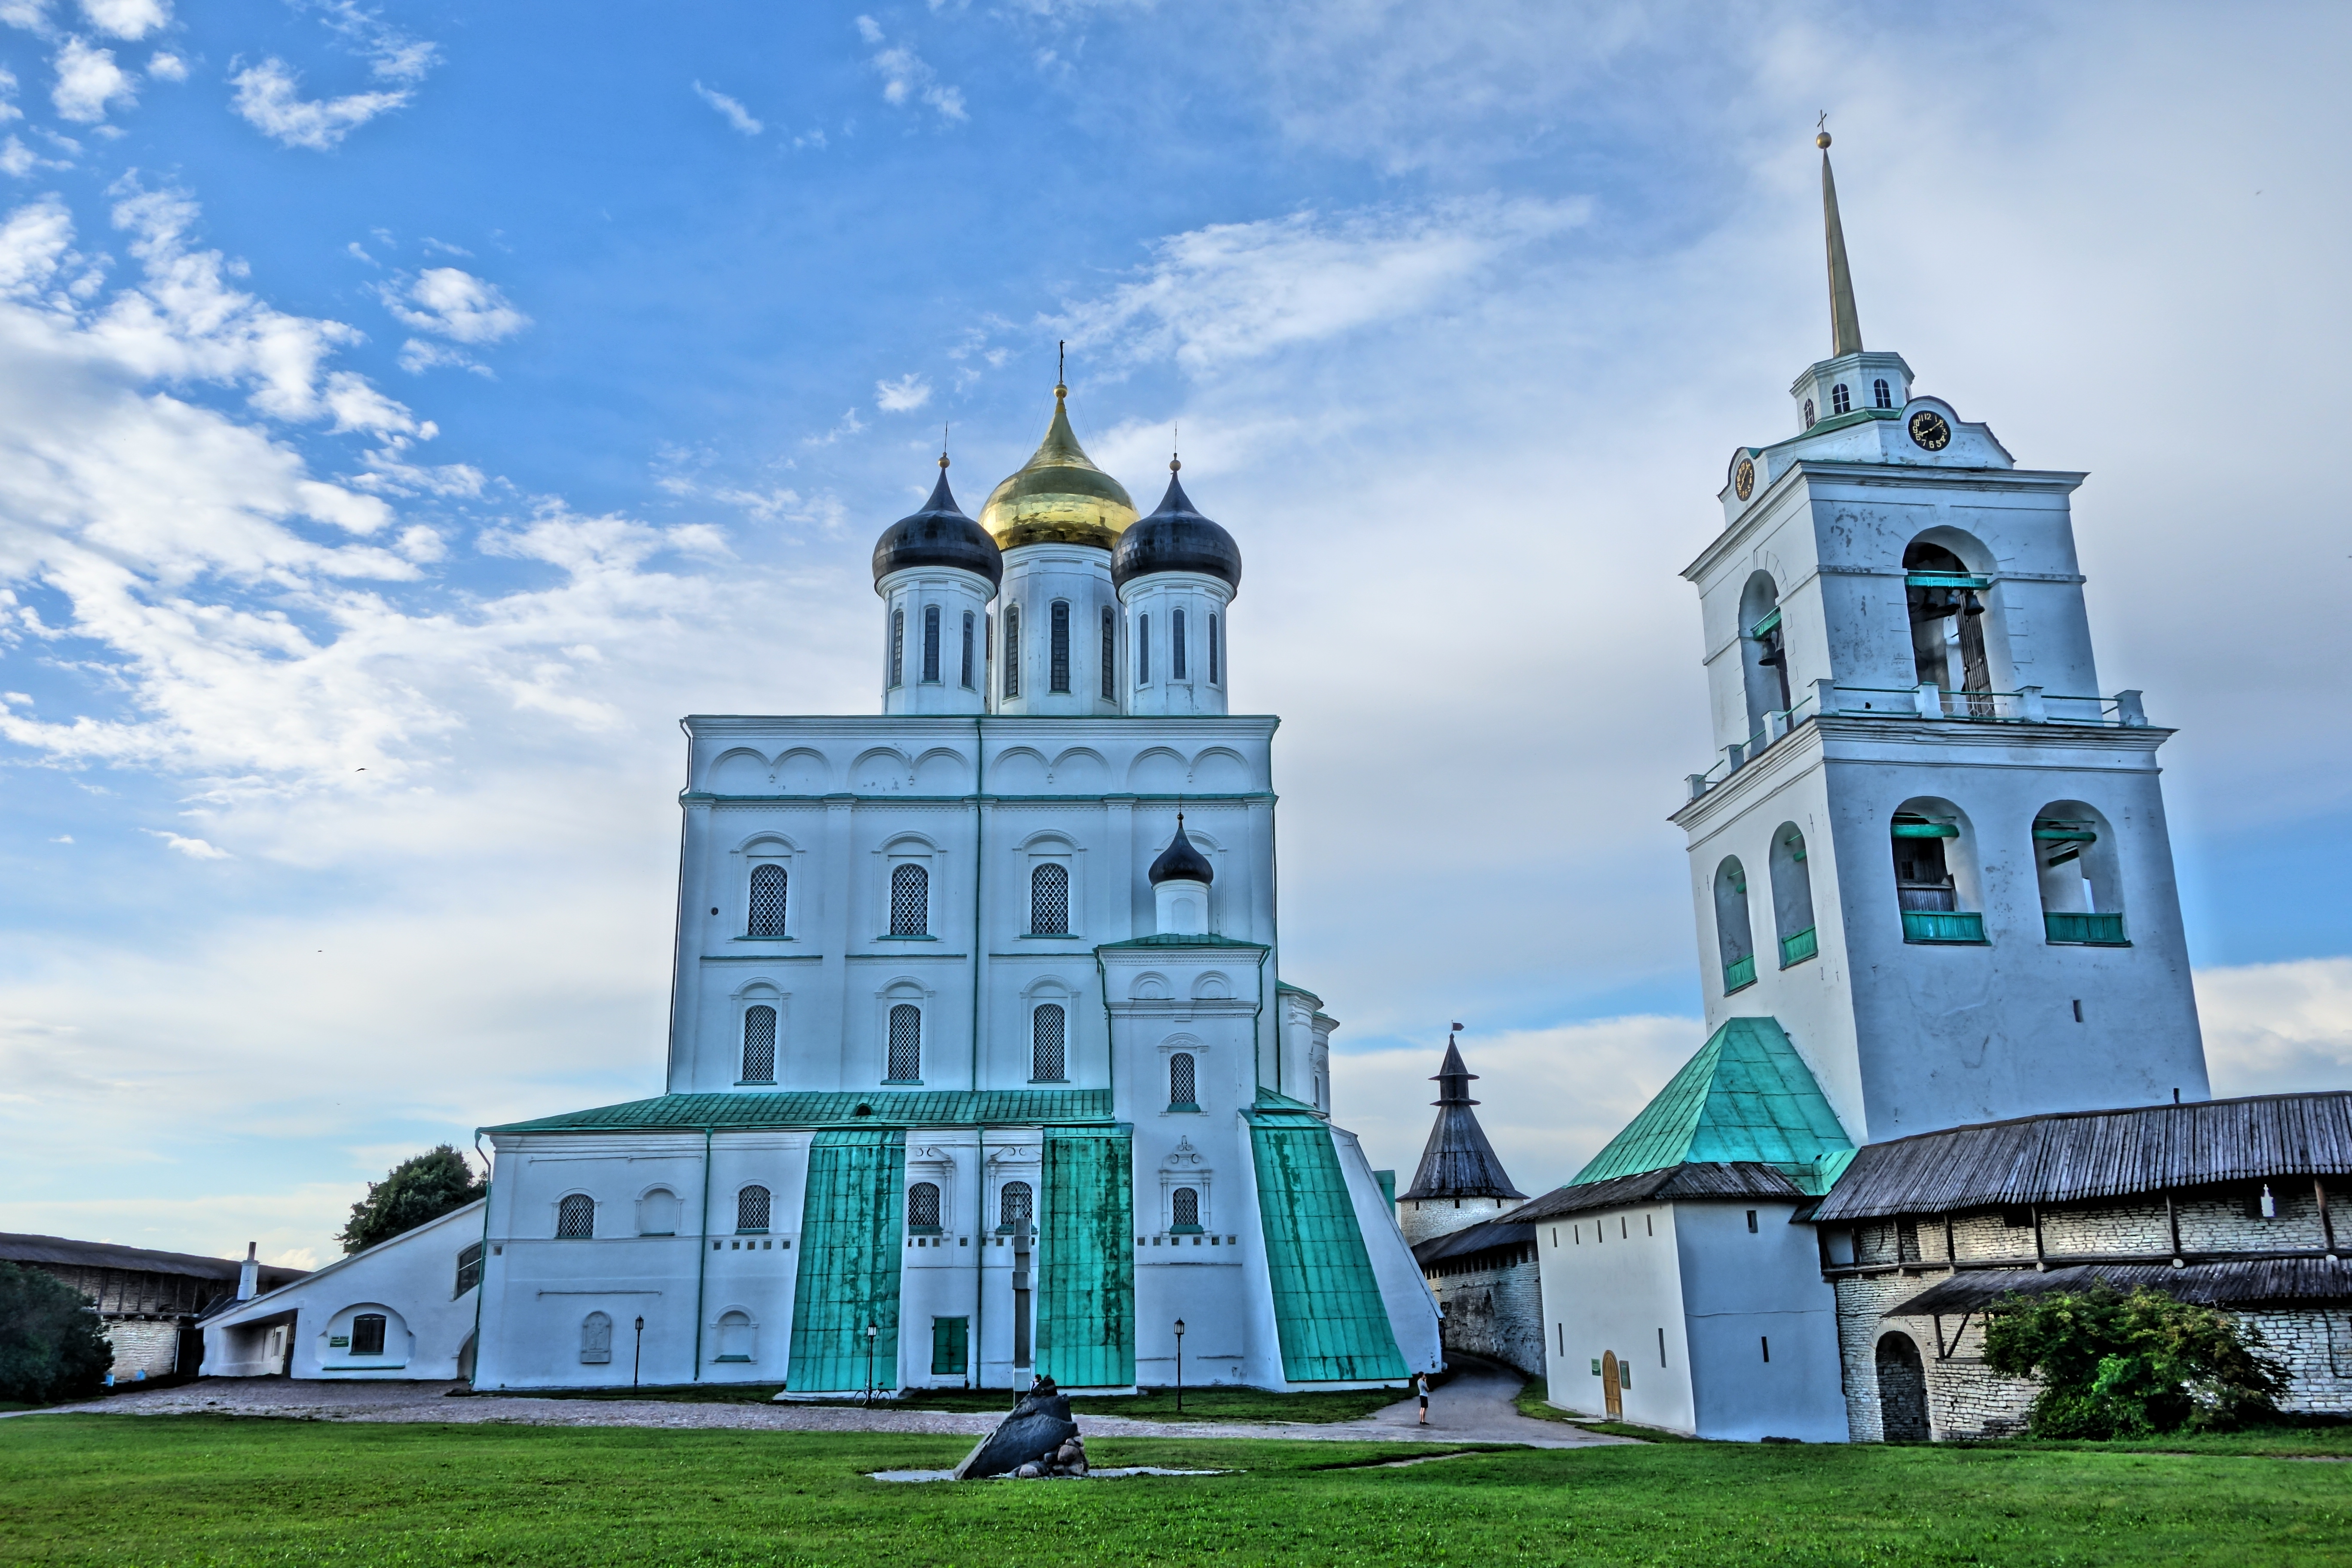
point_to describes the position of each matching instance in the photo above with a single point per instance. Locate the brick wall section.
(1495, 1312)
(152, 1346)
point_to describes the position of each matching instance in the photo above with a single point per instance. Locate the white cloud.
(454, 304)
(907, 77)
(2273, 1029)
(167, 67)
(268, 97)
(88, 80)
(8, 110)
(909, 391)
(194, 848)
(417, 356)
(127, 18)
(731, 109)
(31, 15)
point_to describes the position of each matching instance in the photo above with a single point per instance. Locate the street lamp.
(872, 1332)
(637, 1358)
(1180, 1366)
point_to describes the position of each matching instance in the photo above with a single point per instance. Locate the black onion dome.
(1180, 862)
(1176, 538)
(938, 535)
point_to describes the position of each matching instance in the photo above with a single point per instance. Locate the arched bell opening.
(2075, 864)
(1764, 655)
(1792, 897)
(1936, 885)
(1949, 601)
(1735, 938)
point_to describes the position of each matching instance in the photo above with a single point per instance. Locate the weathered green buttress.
(849, 1262)
(1086, 1298)
(1327, 1311)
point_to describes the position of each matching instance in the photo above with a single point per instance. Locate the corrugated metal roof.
(2079, 1155)
(923, 1108)
(1747, 1096)
(62, 1252)
(2204, 1284)
(1705, 1179)
(1504, 1230)
(1458, 1161)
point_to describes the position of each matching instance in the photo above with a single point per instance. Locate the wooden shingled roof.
(2083, 1155)
(2235, 1284)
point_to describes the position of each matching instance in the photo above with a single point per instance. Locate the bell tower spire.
(1846, 323)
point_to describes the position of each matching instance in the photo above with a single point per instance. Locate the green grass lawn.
(1153, 1405)
(217, 1491)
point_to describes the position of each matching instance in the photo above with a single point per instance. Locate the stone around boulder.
(1038, 1426)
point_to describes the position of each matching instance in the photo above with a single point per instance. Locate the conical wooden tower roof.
(1458, 1161)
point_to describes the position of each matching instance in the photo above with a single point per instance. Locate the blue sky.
(407, 413)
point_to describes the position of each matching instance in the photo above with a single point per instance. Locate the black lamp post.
(1180, 1366)
(873, 1332)
(638, 1357)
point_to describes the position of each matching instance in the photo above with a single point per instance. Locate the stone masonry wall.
(1495, 1312)
(147, 1346)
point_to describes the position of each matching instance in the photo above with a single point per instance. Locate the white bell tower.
(1929, 845)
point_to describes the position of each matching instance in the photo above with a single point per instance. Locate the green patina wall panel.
(1086, 1298)
(1327, 1311)
(848, 1268)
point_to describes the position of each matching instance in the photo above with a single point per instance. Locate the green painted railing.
(2085, 929)
(1940, 925)
(1740, 975)
(1796, 949)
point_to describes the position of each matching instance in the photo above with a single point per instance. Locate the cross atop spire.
(1845, 324)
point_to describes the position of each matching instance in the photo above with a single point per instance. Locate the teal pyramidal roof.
(1746, 1095)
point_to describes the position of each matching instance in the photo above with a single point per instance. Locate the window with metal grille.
(932, 643)
(923, 1206)
(1049, 900)
(1143, 650)
(1809, 413)
(1012, 650)
(966, 649)
(1047, 1028)
(906, 1043)
(367, 1335)
(1216, 676)
(1184, 1208)
(1882, 393)
(595, 1339)
(1183, 1089)
(1109, 654)
(1176, 646)
(759, 1044)
(469, 1270)
(751, 1210)
(1015, 1204)
(897, 646)
(768, 889)
(575, 1218)
(1057, 666)
(910, 900)
(1841, 400)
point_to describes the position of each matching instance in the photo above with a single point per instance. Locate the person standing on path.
(1421, 1387)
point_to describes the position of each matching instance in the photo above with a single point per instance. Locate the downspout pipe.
(976, 1352)
(701, 1255)
(482, 1279)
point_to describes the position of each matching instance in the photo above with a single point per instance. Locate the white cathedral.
(982, 1064)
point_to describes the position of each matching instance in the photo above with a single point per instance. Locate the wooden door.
(1612, 1393)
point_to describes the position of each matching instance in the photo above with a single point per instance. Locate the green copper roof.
(1328, 1314)
(1181, 939)
(1746, 1095)
(848, 1273)
(926, 1107)
(1086, 1276)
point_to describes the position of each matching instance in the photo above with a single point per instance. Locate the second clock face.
(1743, 478)
(1930, 429)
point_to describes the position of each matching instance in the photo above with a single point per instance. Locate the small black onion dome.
(1180, 862)
(1176, 538)
(938, 535)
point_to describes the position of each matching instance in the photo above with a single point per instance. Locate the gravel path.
(1474, 1407)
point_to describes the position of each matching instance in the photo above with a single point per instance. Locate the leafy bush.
(415, 1191)
(2114, 1365)
(51, 1344)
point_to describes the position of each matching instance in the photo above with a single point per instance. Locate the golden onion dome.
(1059, 496)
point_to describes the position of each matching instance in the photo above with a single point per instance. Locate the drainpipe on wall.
(702, 1254)
(482, 1276)
(976, 1354)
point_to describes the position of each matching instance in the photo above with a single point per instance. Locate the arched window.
(897, 646)
(1809, 413)
(931, 644)
(1109, 656)
(1947, 624)
(1184, 1208)
(1764, 665)
(595, 1339)
(1057, 666)
(1049, 900)
(752, 1211)
(1047, 1026)
(1841, 400)
(658, 1212)
(1143, 650)
(1929, 884)
(1015, 1206)
(1734, 937)
(1183, 1090)
(966, 649)
(1882, 392)
(1792, 897)
(1012, 650)
(1176, 646)
(768, 889)
(735, 1336)
(910, 900)
(759, 1044)
(367, 1333)
(906, 1043)
(2075, 861)
(923, 1206)
(575, 1218)
(1216, 661)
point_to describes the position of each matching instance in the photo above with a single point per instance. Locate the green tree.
(415, 1191)
(51, 1344)
(2114, 1365)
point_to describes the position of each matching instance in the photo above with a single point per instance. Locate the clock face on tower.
(1928, 428)
(1743, 478)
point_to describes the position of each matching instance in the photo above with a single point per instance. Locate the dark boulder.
(1038, 1426)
